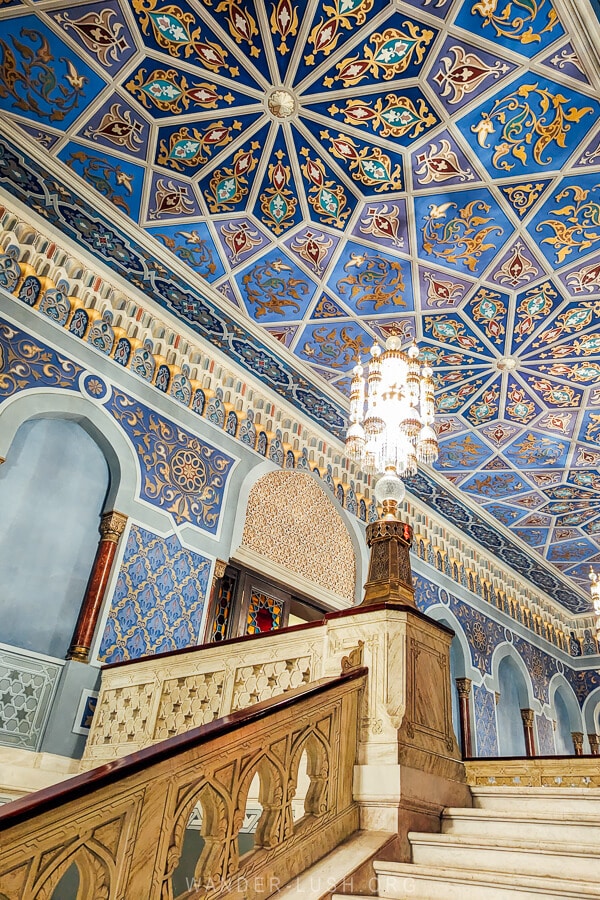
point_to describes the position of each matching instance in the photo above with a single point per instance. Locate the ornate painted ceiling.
(336, 171)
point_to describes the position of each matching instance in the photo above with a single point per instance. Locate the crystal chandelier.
(595, 591)
(391, 416)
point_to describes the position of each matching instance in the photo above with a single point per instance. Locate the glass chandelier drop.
(595, 591)
(392, 413)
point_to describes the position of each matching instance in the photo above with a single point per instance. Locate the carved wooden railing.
(145, 701)
(123, 825)
(537, 771)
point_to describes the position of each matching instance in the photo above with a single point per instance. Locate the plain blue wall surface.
(513, 698)
(52, 488)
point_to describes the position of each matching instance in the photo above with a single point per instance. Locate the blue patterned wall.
(483, 636)
(545, 736)
(159, 598)
(484, 709)
(181, 474)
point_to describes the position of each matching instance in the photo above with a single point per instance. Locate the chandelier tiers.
(391, 430)
(595, 591)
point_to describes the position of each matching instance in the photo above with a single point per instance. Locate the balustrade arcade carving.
(124, 825)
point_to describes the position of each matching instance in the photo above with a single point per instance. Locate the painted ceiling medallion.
(282, 104)
(336, 172)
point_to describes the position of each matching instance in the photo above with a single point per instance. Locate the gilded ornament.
(229, 185)
(35, 80)
(523, 196)
(284, 22)
(536, 304)
(440, 292)
(488, 309)
(585, 279)
(242, 26)
(278, 202)
(271, 287)
(516, 268)
(383, 221)
(465, 74)
(171, 92)
(584, 213)
(324, 36)
(390, 53)
(240, 238)
(523, 26)
(312, 248)
(335, 348)
(370, 165)
(326, 198)
(171, 199)
(458, 238)
(396, 116)
(372, 279)
(523, 131)
(440, 165)
(193, 148)
(99, 34)
(118, 127)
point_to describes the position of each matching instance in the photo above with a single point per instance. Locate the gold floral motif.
(521, 26)
(242, 26)
(523, 196)
(585, 216)
(390, 54)
(395, 117)
(278, 201)
(272, 288)
(324, 36)
(326, 198)
(378, 280)
(520, 123)
(370, 165)
(465, 74)
(461, 237)
(284, 22)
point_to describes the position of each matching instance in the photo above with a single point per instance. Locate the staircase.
(517, 842)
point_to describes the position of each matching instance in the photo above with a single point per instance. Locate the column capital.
(528, 717)
(577, 737)
(463, 686)
(220, 566)
(112, 526)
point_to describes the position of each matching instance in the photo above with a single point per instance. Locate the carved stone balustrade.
(409, 765)
(124, 825)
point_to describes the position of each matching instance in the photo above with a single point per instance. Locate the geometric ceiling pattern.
(336, 171)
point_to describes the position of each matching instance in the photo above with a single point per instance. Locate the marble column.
(112, 526)
(594, 744)
(463, 686)
(577, 742)
(528, 717)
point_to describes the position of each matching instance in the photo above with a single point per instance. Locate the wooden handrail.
(123, 825)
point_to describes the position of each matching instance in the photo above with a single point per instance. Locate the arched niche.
(566, 714)
(460, 660)
(292, 530)
(515, 693)
(591, 712)
(53, 486)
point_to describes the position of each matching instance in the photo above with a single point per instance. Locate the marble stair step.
(508, 855)
(565, 827)
(539, 800)
(408, 881)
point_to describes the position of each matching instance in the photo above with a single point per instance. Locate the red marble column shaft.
(464, 692)
(112, 525)
(528, 718)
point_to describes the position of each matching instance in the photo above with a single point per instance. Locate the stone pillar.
(390, 574)
(577, 742)
(594, 744)
(112, 526)
(528, 718)
(463, 686)
(409, 764)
